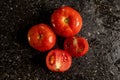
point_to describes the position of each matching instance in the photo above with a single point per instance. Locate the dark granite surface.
(101, 26)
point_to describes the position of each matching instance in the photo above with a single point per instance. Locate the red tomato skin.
(62, 60)
(66, 29)
(76, 46)
(41, 37)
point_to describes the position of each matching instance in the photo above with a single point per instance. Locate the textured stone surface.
(101, 26)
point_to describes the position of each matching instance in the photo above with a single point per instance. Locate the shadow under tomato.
(42, 15)
(40, 60)
(60, 42)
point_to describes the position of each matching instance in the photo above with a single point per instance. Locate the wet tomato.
(41, 37)
(76, 46)
(66, 21)
(58, 60)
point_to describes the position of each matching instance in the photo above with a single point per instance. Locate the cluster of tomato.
(66, 22)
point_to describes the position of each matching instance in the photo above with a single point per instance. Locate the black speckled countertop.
(101, 26)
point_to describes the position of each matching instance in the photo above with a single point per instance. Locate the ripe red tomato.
(41, 37)
(66, 21)
(58, 60)
(76, 46)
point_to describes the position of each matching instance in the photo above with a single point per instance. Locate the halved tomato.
(76, 46)
(58, 60)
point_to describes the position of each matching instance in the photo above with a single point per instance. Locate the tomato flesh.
(76, 46)
(58, 60)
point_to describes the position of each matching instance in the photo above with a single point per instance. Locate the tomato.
(58, 60)
(76, 46)
(66, 21)
(41, 37)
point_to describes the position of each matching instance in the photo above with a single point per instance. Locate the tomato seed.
(52, 60)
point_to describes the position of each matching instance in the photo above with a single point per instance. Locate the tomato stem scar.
(66, 20)
(39, 36)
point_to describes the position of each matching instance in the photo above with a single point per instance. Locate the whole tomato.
(76, 46)
(66, 21)
(41, 37)
(58, 60)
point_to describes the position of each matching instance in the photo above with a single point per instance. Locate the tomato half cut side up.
(58, 60)
(76, 46)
